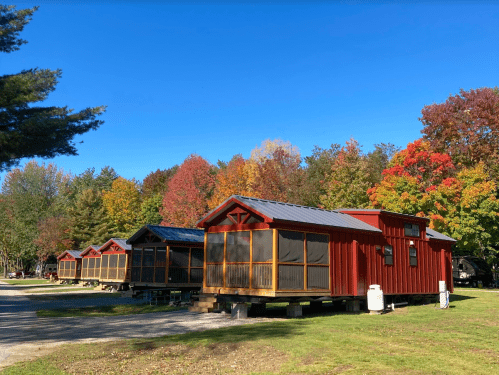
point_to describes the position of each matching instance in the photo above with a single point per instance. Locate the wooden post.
(275, 254)
(204, 260)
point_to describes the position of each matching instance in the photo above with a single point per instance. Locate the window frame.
(388, 257)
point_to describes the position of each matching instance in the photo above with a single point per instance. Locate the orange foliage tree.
(230, 180)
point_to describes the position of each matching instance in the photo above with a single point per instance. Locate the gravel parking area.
(24, 336)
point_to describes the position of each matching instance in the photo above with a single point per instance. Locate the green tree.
(347, 183)
(32, 194)
(90, 224)
(27, 130)
(149, 210)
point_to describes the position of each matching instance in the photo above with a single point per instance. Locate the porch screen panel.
(214, 275)
(148, 265)
(238, 246)
(179, 257)
(237, 276)
(113, 265)
(122, 266)
(262, 245)
(317, 248)
(291, 247)
(160, 265)
(97, 268)
(85, 272)
(197, 258)
(196, 276)
(178, 275)
(291, 277)
(262, 276)
(136, 264)
(317, 277)
(215, 248)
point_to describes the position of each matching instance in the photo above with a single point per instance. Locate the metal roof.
(279, 211)
(434, 235)
(121, 242)
(74, 253)
(380, 211)
(172, 234)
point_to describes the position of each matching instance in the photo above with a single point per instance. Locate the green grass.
(26, 281)
(111, 310)
(67, 296)
(415, 340)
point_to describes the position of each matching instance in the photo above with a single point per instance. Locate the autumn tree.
(231, 179)
(28, 130)
(54, 237)
(122, 205)
(465, 126)
(189, 190)
(461, 205)
(347, 182)
(150, 210)
(274, 172)
(156, 183)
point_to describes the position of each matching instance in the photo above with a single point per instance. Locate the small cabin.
(259, 250)
(69, 264)
(90, 271)
(167, 257)
(114, 265)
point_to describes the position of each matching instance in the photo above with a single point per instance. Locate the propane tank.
(444, 294)
(375, 301)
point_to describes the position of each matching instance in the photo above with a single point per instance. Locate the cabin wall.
(69, 269)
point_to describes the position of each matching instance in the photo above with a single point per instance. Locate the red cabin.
(114, 265)
(91, 257)
(69, 264)
(258, 250)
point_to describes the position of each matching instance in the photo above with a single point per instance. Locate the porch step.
(205, 303)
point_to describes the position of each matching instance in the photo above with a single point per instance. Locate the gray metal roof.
(434, 235)
(280, 211)
(121, 242)
(171, 234)
(380, 210)
(74, 253)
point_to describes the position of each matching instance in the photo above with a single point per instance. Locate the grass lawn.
(110, 310)
(27, 281)
(411, 340)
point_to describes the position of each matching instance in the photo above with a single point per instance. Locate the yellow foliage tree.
(122, 204)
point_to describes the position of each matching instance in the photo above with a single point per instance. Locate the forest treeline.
(450, 176)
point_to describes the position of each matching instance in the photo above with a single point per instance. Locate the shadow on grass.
(70, 295)
(235, 334)
(459, 297)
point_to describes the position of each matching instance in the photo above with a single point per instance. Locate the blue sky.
(218, 78)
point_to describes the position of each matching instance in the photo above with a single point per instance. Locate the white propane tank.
(375, 301)
(444, 294)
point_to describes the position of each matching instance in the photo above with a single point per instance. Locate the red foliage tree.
(466, 126)
(54, 237)
(186, 200)
(157, 182)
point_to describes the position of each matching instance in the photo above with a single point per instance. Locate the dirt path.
(24, 336)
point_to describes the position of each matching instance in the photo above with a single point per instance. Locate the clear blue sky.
(218, 78)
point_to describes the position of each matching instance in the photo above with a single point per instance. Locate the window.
(411, 230)
(262, 246)
(413, 259)
(388, 255)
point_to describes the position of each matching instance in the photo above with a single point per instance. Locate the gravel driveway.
(24, 336)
